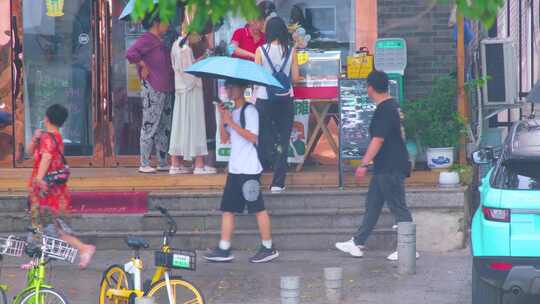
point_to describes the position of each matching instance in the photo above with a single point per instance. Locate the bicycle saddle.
(137, 242)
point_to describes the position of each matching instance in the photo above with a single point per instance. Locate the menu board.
(355, 110)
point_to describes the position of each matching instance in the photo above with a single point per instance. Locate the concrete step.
(204, 220)
(298, 199)
(301, 220)
(285, 239)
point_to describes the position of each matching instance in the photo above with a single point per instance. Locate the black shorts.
(242, 191)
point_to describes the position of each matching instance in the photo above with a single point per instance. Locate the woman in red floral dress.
(50, 201)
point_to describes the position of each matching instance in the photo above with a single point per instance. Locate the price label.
(181, 261)
(303, 57)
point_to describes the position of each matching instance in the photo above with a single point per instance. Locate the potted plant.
(435, 123)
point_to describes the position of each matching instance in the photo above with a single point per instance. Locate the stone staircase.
(301, 220)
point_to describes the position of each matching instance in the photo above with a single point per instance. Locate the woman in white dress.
(188, 134)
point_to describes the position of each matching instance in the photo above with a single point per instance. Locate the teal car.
(505, 232)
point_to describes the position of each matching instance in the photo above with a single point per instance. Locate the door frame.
(99, 89)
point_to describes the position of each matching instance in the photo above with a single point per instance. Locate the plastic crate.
(12, 246)
(58, 249)
(177, 259)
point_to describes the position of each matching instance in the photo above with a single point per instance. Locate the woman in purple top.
(153, 62)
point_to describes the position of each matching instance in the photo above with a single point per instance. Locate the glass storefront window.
(330, 23)
(57, 69)
(125, 83)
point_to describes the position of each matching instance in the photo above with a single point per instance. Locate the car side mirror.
(483, 156)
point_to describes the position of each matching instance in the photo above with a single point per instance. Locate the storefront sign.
(298, 139)
(55, 8)
(84, 38)
(133, 81)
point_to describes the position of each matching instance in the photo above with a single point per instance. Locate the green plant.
(484, 11)
(204, 10)
(433, 120)
(465, 173)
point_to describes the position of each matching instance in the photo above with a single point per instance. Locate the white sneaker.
(147, 169)
(210, 170)
(351, 248)
(394, 256)
(163, 168)
(181, 170)
(395, 227)
(201, 171)
(275, 189)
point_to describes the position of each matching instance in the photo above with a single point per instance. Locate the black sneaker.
(219, 255)
(265, 255)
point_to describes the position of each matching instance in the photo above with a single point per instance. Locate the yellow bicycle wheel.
(113, 278)
(183, 291)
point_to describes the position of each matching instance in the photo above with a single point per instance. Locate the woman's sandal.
(86, 257)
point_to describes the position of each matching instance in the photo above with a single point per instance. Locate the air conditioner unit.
(500, 64)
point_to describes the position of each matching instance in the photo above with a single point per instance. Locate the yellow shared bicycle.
(123, 284)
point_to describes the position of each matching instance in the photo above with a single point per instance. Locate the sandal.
(86, 257)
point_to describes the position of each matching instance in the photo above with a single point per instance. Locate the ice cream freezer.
(319, 72)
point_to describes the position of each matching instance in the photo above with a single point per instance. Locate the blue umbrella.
(128, 9)
(5, 118)
(233, 68)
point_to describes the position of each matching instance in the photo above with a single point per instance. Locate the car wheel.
(483, 292)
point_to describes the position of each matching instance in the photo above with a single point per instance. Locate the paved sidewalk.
(442, 278)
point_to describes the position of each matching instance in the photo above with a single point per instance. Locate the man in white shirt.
(242, 190)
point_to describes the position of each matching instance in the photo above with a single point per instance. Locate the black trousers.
(275, 126)
(389, 188)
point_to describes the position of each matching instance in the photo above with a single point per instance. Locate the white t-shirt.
(244, 158)
(275, 52)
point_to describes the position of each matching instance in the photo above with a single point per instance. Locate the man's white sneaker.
(351, 248)
(394, 256)
(163, 168)
(147, 169)
(275, 189)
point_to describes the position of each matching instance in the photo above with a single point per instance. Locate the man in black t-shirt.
(391, 165)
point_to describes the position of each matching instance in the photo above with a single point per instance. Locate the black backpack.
(243, 116)
(277, 94)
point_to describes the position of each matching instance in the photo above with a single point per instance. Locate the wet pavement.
(442, 278)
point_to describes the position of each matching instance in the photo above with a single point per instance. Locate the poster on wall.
(133, 82)
(298, 139)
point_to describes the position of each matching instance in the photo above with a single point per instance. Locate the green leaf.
(206, 10)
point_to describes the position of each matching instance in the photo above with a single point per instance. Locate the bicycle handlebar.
(170, 221)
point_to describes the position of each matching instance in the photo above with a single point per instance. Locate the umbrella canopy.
(130, 6)
(534, 94)
(5, 118)
(233, 68)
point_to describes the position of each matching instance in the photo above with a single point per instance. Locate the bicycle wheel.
(183, 291)
(45, 296)
(113, 278)
(3, 297)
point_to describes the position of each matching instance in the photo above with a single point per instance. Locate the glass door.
(60, 49)
(125, 102)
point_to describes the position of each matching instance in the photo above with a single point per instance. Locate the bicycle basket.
(177, 259)
(58, 249)
(12, 246)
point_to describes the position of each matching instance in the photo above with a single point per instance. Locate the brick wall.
(431, 48)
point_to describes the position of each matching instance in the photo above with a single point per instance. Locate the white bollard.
(144, 300)
(290, 290)
(333, 277)
(406, 248)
